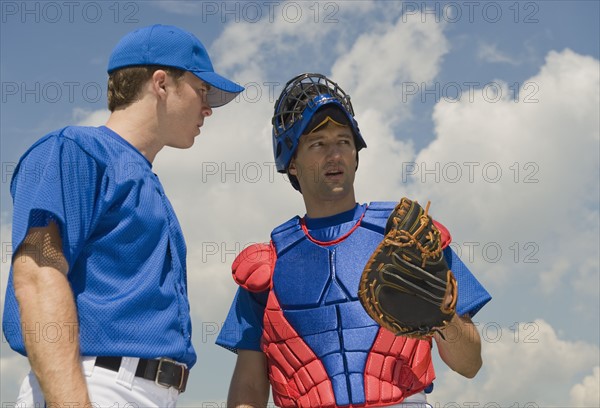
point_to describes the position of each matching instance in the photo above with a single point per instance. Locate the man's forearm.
(249, 387)
(46, 301)
(244, 393)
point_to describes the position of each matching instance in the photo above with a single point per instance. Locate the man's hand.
(460, 346)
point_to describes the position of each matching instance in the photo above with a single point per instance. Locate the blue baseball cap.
(173, 47)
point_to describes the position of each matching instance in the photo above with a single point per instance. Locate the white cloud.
(490, 53)
(82, 117)
(267, 48)
(380, 160)
(551, 280)
(529, 365)
(381, 62)
(587, 393)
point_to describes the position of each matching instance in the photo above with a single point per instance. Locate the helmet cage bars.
(296, 106)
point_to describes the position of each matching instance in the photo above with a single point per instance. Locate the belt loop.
(126, 374)
(87, 365)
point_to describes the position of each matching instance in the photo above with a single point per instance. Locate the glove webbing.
(403, 238)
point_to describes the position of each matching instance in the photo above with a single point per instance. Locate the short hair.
(125, 84)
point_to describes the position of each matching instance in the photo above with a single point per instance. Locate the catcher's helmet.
(301, 98)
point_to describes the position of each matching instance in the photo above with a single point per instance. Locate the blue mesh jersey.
(120, 237)
(243, 326)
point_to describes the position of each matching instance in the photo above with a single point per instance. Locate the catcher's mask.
(295, 109)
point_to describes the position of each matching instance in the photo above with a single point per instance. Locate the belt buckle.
(158, 371)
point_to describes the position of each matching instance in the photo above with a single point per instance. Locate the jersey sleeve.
(243, 326)
(472, 296)
(55, 180)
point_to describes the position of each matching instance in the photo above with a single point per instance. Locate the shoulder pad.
(253, 267)
(377, 214)
(287, 235)
(446, 237)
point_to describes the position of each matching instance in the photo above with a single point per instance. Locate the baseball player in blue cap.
(99, 253)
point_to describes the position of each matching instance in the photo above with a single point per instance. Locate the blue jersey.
(120, 237)
(243, 327)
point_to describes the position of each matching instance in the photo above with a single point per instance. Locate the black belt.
(164, 372)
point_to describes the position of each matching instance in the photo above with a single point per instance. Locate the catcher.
(342, 307)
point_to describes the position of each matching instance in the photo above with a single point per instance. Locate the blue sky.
(488, 109)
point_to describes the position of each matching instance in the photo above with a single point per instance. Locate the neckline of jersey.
(111, 133)
(358, 213)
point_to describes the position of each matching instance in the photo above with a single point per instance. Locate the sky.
(488, 109)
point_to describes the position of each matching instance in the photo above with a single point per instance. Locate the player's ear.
(159, 81)
(292, 168)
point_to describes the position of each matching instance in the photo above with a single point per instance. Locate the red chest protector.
(313, 320)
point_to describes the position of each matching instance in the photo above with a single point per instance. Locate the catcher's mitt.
(406, 285)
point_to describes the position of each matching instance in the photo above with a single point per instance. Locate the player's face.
(187, 109)
(325, 164)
